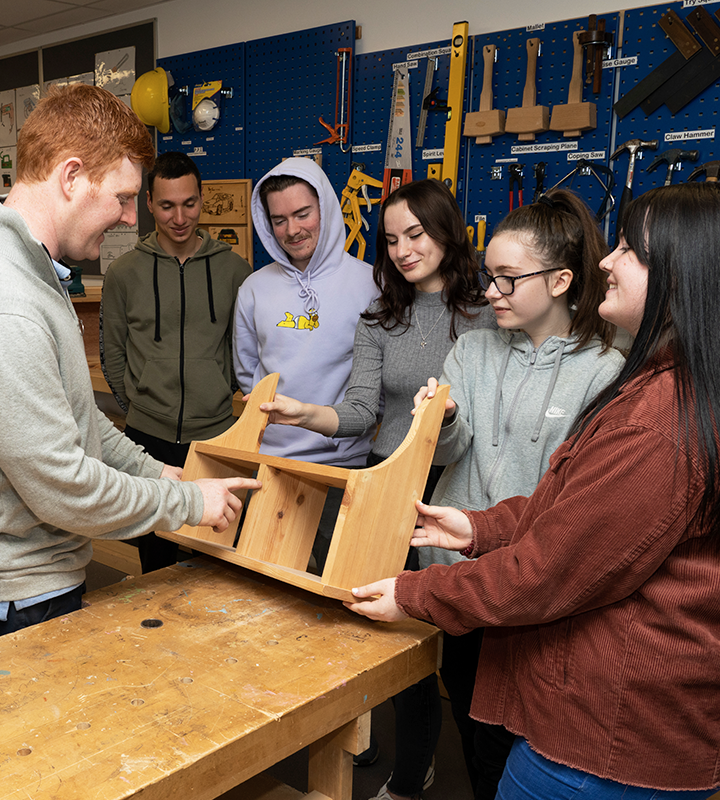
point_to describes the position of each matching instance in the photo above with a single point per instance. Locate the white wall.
(187, 25)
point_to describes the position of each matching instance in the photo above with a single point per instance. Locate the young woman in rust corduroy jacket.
(599, 592)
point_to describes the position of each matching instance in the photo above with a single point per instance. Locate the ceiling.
(21, 20)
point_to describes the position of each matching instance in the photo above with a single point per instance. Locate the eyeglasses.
(505, 284)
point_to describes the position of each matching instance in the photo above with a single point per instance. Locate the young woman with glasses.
(599, 593)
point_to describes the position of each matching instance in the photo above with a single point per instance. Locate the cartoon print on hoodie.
(301, 324)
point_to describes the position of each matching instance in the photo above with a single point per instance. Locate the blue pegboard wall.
(696, 121)
(283, 84)
(220, 153)
(290, 84)
(490, 197)
(373, 88)
(642, 38)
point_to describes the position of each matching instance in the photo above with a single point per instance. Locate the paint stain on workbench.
(4, 672)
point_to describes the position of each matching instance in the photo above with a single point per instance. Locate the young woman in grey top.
(427, 273)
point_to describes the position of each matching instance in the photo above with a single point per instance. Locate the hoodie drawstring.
(156, 290)
(158, 338)
(210, 289)
(307, 294)
(498, 395)
(548, 393)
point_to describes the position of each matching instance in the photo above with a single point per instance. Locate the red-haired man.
(66, 474)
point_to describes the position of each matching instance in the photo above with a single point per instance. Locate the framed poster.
(225, 202)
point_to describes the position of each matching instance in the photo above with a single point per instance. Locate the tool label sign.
(431, 155)
(691, 3)
(438, 51)
(557, 147)
(538, 26)
(366, 148)
(405, 65)
(614, 63)
(682, 136)
(591, 155)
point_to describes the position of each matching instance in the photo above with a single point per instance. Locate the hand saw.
(398, 154)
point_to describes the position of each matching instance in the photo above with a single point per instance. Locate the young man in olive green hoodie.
(166, 329)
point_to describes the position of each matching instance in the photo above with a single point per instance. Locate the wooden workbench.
(240, 673)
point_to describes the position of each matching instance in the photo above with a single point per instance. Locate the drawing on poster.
(26, 98)
(8, 132)
(115, 70)
(83, 77)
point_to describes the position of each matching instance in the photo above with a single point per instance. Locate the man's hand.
(171, 473)
(429, 391)
(377, 601)
(220, 505)
(441, 526)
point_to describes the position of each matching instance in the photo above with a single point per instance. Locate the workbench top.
(239, 672)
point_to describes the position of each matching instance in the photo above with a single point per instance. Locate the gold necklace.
(423, 337)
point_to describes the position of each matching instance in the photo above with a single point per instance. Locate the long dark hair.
(675, 232)
(563, 233)
(437, 211)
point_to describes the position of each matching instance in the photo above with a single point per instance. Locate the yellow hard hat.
(149, 99)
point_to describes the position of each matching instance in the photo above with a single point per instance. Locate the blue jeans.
(530, 776)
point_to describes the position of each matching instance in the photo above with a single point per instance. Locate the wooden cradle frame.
(375, 522)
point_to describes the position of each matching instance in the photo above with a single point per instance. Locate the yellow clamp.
(350, 207)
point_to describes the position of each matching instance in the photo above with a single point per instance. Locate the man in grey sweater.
(66, 474)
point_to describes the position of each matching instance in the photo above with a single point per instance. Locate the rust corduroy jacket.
(601, 597)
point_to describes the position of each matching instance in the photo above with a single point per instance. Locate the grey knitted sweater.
(390, 366)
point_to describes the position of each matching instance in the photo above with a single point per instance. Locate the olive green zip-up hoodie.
(166, 335)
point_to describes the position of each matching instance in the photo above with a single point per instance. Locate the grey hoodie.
(59, 455)
(302, 324)
(515, 406)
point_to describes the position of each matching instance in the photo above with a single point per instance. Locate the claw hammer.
(633, 147)
(711, 171)
(673, 159)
